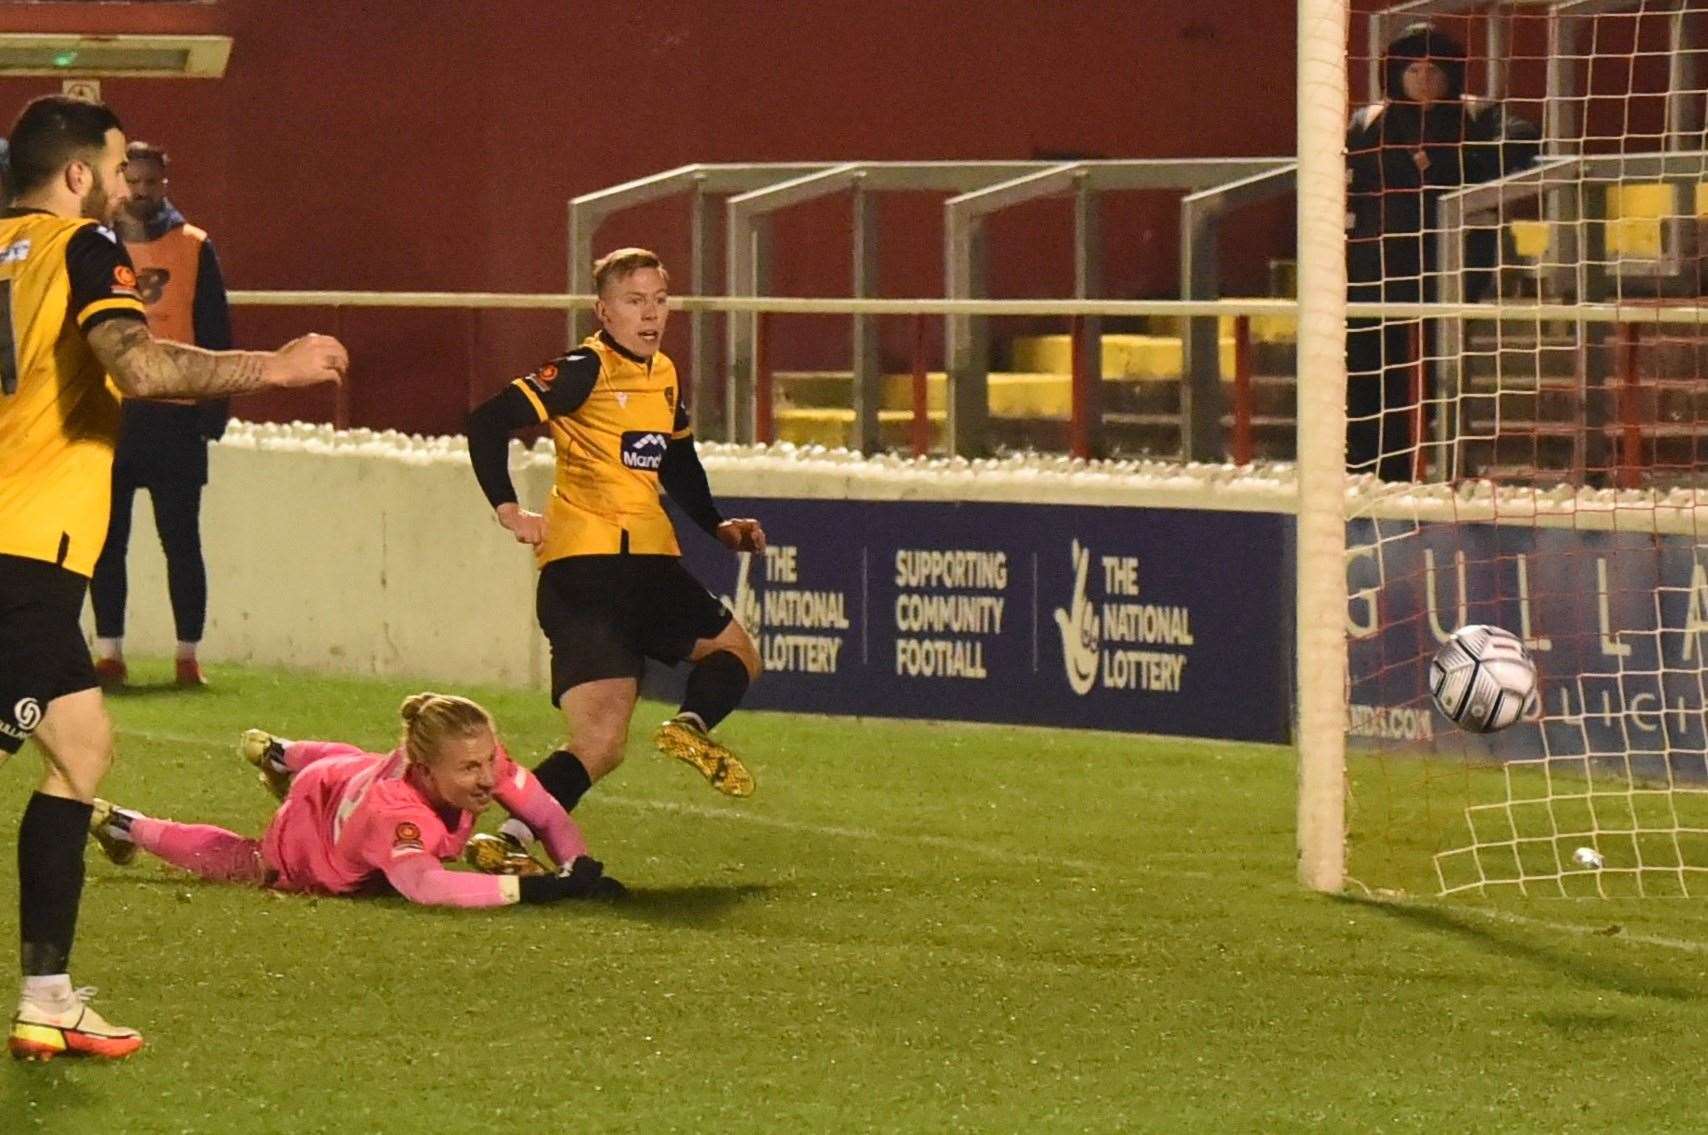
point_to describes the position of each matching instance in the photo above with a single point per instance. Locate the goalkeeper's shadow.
(697, 905)
(1635, 979)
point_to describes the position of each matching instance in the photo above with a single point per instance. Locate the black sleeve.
(209, 313)
(560, 386)
(210, 321)
(552, 389)
(103, 282)
(489, 427)
(684, 478)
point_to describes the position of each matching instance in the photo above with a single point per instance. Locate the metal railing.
(1083, 409)
(755, 193)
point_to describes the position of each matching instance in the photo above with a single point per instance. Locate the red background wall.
(433, 144)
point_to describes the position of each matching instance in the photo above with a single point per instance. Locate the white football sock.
(186, 651)
(52, 990)
(517, 830)
(110, 648)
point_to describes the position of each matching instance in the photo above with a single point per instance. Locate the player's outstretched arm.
(420, 878)
(523, 796)
(423, 879)
(146, 367)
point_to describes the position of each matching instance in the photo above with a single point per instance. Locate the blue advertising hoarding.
(1174, 621)
(1614, 620)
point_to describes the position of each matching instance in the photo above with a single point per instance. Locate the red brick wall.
(433, 144)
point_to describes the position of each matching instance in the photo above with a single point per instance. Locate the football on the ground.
(1483, 679)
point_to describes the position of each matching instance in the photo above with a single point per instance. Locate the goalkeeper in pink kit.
(354, 822)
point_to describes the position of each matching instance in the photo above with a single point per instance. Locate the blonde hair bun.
(430, 719)
(414, 704)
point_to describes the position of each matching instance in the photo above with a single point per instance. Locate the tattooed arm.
(146, 367)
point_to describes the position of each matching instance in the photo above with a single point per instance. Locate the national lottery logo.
(745, 604)
(1119, 640)
(1079, 627)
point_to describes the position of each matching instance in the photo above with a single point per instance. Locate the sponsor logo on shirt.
(643, 449)
(17, 251)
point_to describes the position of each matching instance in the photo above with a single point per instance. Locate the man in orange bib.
(613, 591)
(163, 443)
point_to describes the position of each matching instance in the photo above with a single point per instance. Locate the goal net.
(1536, 460)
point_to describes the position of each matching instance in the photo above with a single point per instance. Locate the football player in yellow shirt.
(612, 588)
(74, 340)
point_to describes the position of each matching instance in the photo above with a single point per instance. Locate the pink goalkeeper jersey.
(347, 818)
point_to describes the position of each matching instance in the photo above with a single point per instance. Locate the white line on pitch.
(946, 843)
(1680, 944)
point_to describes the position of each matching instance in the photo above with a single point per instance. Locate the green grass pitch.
(911, 927)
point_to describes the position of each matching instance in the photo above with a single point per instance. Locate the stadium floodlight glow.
(70, 55)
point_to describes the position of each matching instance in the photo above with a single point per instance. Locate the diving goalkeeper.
(353, 822)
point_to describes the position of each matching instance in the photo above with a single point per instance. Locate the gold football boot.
(683, 739)
(501, 854)
(267, 753)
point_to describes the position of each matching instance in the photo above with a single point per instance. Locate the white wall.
(351, 558)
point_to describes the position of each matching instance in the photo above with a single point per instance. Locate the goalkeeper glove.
(583, 879)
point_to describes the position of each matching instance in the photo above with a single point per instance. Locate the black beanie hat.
(1423, 41)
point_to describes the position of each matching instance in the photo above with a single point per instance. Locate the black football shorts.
(604, 616)
(42, 652)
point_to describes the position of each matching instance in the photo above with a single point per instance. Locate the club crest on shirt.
(541, 379)
(407, 835)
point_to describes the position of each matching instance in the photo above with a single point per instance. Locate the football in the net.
(1483, 678)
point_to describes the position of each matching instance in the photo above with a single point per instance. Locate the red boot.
(110, 672)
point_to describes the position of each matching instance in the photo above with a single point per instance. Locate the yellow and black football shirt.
(621, 430)
(59, 412)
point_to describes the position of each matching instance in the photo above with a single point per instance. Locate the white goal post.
(1321, 554)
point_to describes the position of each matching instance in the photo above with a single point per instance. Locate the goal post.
(1321, 533)
(1504, 421)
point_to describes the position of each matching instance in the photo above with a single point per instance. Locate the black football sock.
(716, 686)
(564, 776)
(50, 880)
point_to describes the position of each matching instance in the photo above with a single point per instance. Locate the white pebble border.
(785, 470)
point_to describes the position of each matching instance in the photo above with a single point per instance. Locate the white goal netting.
(1540, 474)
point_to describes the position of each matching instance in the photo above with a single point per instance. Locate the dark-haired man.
(163, 443)
(73, 339)
(612, 590)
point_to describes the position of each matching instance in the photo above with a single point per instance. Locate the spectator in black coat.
(1425, 137)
